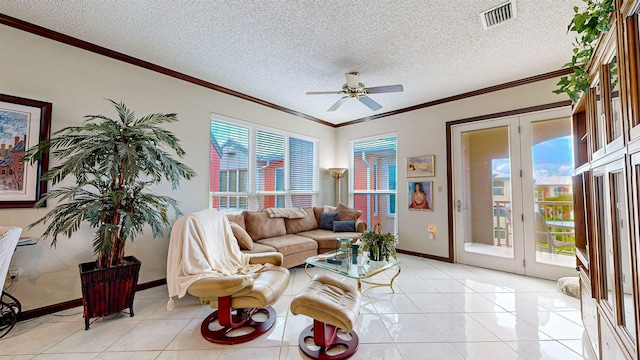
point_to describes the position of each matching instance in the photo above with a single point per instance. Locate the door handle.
(459, 205)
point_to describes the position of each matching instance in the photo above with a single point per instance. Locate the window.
(255, 167)
(392, 186)
(373, 185)
(498, 187)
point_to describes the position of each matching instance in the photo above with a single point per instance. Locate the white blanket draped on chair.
(201, 246)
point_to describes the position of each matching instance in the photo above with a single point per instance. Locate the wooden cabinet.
(606, 128)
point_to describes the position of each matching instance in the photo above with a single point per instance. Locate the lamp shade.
(337, 172)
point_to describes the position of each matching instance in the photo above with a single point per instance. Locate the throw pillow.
(326, 220)
(307, 223)
(243, 238)
(347, 213)
(260, 226)
(344, 226)
(237, 218)
(329, 209)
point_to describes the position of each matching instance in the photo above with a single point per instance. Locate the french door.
(513, 208)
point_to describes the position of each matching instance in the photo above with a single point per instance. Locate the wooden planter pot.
(109, 290)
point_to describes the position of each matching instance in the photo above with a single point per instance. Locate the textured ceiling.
(276, 51)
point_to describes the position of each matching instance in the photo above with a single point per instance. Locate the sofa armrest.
(361, 226)
(221, 286)
(274, 258)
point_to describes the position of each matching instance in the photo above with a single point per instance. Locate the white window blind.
(373, 184)
(303, 179)
(259, 168)
(229, 164)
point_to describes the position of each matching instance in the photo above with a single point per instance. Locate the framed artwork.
(421, 196)
(421, 166)
(23, 123)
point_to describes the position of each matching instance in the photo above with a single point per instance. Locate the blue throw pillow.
(344, 226)
(326, 220)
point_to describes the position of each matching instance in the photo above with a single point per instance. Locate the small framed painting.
(421, 166)
(421, 196)
(23, 123)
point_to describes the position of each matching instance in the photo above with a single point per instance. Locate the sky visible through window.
(551, 158)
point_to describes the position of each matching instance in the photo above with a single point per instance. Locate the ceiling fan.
(354, 89)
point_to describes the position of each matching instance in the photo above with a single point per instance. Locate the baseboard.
(50, 309)
(426, 256)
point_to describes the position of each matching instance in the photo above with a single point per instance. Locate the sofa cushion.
(259, 248)
(306, 223)
(327, 239)
(347, 213)
(260, 226)
(317, 211)
(237, 218)
(243, 238)
(326, 220)
(290, 244)
(344, 226)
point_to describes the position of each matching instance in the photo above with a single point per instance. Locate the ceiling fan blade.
(338, 103)
(384, 89)
(324, 92)
(370, 103)
(353, 79)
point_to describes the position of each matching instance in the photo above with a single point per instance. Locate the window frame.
(254, 197)
(393, 194)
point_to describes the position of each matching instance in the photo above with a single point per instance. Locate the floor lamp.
(337, 174)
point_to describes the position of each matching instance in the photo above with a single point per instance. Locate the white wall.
(76, 82)
(423, 132)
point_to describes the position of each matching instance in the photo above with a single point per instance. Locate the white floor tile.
(402, 328)
(423, 351)
(547, 350)
(485, 350)
(150, 335)
(438, 311)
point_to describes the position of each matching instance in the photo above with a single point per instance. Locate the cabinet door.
(633, 72)
(616, 251)
(613, 107)
(622, 252)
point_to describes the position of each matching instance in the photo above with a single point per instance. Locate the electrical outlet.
(14, 273)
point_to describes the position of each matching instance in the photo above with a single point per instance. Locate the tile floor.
(439, 311)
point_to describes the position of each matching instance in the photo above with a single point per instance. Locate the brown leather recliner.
(205, 261)
(248, 295)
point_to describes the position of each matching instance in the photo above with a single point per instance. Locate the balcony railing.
(559, 219)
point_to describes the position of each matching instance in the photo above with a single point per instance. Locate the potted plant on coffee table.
(381, 246)
(112, 163)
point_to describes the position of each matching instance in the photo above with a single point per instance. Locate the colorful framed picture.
(421, 196)
(23, 123)
(421, 166)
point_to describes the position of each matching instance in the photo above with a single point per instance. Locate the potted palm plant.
(113, 163)
(381, 246)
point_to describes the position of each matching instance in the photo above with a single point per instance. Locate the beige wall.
(423, 132)
(76, 82)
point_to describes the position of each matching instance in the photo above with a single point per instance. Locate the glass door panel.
(552, 169)
(489, 168)
(485, 194)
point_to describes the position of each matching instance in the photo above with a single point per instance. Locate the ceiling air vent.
(498, 14)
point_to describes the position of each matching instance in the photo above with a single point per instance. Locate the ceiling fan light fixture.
(353, 80)
(354, 89)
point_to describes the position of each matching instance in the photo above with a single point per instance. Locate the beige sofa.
(295, 238)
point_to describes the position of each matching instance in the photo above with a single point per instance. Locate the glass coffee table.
(359, 272)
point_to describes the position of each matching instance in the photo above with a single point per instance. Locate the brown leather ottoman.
(333, 305)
